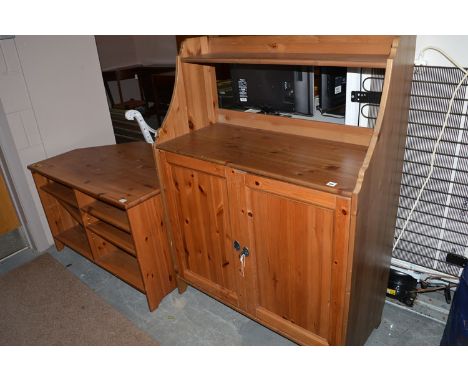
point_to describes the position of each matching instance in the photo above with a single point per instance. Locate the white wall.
(52, 100)
(455, 46)
(66, 89)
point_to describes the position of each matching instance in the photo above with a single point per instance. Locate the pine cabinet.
(270, 249)
(290, 221)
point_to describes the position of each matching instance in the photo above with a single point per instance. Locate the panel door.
(292, 234)
(198, 201)
(8, 218)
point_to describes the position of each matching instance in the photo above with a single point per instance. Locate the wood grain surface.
(300, 160)
(81, 191)
(375, 199)
(320, 254)
(306, 59)
(201, 225)
(109, 173)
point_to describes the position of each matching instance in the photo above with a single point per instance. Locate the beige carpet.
(42, 303)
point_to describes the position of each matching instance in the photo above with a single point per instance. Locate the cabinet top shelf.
(301, 160)
(309, 59)
(123, 175)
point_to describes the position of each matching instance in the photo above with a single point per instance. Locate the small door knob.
(245, 252)
(236, 245)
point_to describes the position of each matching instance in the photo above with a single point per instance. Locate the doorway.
(12, 235)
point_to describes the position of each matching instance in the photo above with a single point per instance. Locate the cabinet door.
(292, 234)
(198, 202)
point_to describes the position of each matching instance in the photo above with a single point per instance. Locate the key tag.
(242, 261)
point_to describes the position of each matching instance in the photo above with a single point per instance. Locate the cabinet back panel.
(293, 252)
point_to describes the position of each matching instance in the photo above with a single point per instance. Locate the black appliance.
(332, 88)
(268, 88)
(402, 287)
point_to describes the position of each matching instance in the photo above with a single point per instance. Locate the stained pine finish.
(113, 234)
(57, 216)
(300, 160)
(117, 262)
(330, 45)
(109, 214)
(293, 252)
(75, 238)
(291, 232)
(306, 59)
(202, 223)
(321, 130)
(122, 175)
(81, 193)
(319, 255)
(375, 198)
(60, 192)
(350, 51)
(152, 248)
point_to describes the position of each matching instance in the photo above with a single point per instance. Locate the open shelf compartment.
(61, 192)
(119, 238)
(109, 214)
(117, 262)
(75, 238)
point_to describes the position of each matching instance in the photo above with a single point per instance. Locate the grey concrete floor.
(11, 242)
(194, 318)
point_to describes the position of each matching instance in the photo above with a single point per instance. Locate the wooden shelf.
(114, 235)
(123, 266)
(109, 214)
(300, 160)
(63, 193)
(75, 238)
(308, 59)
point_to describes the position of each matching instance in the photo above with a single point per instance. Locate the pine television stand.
(105, 203)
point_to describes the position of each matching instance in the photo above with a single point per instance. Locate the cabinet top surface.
(296, 159)
(110, 173)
